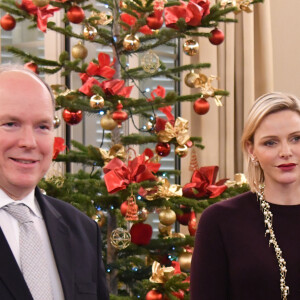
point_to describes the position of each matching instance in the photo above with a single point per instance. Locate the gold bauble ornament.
(181, 150)
(167, 216)
(185, 260)
(142, 214)
(165, 230)
(56, 122)
(107, 122)
(190, 79)
(90, 32)
(97, 101)
(40, 3)
(100, 218)
(190, 47)
(131, 42)
(150, 62)
(120, 238)
(79, 51)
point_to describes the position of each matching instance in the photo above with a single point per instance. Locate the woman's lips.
(287, 167)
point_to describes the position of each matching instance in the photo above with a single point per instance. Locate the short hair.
(265, 105)
(21, 68)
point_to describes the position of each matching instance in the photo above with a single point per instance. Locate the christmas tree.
(121, 186)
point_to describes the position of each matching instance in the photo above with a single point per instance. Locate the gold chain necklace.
(268, 216)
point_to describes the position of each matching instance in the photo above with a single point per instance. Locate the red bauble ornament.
(32, 67)
(72, 117)
(217, 36)
(119, 115)
(163, 149)
(154, 295)
(123, 208)
(184, 218)
(153, 22)
(192, 225)
(75, 14)
(8, 22)
(141, 233)
(179, 294)
(201, 106)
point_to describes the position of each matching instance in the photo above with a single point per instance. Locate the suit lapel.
(10, 273)
(59, 234)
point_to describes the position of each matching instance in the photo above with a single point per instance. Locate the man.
(65, 262)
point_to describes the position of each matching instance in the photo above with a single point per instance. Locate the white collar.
(29, 200)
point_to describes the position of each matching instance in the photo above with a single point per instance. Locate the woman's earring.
(254, 161)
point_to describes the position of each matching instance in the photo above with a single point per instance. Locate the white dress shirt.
(10, 228)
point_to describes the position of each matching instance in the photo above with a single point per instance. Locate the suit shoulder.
(67, 210)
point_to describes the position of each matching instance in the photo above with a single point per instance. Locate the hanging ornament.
(119, 115)
(181, 150)
(72, 117)
(107, 122)
(100, 218)
(154, 295)
(120, 238)
(150, 62)
(97, 101)
(143, 214)
(165, 230)
(217, 36)
(40, 3)
(201, 106)
(56, 122)
(8, 22)
(33, 67)
(75, 14)
(194, 161)
(190, 79)
(102, 18)
(154, 22)
(79, 51)
(141, 234)
(192, 225)
(185, 260)
(190, 47)
(163, 149)
(131, 42)
(200, 80)
(90, 32)
(132, 209)
(167, 216)
(179, 294)
(184, 218)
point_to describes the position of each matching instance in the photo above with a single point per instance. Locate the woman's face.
(277, 147)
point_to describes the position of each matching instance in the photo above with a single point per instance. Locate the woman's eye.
(296, 138)
(269, 143)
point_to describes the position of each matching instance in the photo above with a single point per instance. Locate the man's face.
(26, 132)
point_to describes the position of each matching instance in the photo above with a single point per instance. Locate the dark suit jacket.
(76, 244)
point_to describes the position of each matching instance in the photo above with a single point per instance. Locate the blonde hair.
(262, 107)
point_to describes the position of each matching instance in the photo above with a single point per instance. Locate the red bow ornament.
(118, 176)
(131, 20)
(103, 68)
(192, 12)
(116, 87)
(42, 13)
(58, 146)
(86, 88)
(203, 184)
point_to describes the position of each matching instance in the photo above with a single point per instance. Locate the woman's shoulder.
(241, 202)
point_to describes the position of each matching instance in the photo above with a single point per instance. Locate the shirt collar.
(29, 200)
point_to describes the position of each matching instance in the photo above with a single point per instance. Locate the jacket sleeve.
(102, 289)
(209, 267)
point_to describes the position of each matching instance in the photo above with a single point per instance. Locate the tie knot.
(20, 212)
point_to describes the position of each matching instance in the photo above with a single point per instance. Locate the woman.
(248, 247)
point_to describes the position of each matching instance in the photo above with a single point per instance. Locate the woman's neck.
(282, 195)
